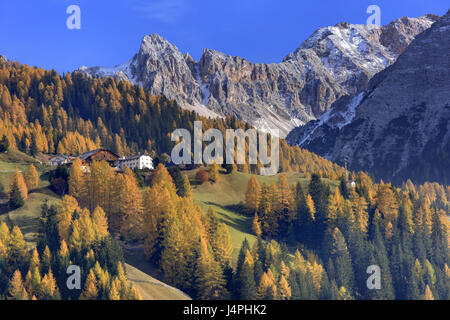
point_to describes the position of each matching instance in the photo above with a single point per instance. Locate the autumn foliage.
(41, 111)
(202, 176)
(40, 274)
(32, 178)
(339, 231)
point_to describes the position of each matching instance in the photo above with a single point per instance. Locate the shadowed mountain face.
(335, 61)
(399, 127)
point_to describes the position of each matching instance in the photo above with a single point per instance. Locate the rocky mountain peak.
(154, 40)
(397, 35)
(354, 53)
(333, 62)
(157, 46)
(399, 126)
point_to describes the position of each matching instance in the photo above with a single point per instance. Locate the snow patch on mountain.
(397, 127)
(204, 87)
(349, 114)
(122, 71)
(334, 118)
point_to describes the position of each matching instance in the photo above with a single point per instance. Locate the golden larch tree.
(252, 195)
(100, 223)
(187, 187)
(16, 288)
(214, 172)
(210, 282)
(100, 186)
(76, 180)
(90, 291)
(34, 261)
(158, 205)
(131, 207)
(75, 240)
(64, 216)
(428, 294)
(114, 293)
(17, 249)
(265, 284)
(256, 226)
(162, 177)
(20, 182)
(287, 203)
(222, 246)
(48, 286)
(87, 230)
(284, 290)
(386, 202)
(310, 206)
(335, 204)
(32, 178)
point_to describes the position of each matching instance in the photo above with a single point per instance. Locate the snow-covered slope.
(399, 126)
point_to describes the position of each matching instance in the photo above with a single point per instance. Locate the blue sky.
(35, 32)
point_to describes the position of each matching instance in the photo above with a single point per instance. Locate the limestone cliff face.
(399, 126)
(335, 61)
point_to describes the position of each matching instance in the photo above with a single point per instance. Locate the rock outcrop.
(399, 127)
(335, 61)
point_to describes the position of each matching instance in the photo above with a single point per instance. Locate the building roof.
(88, 154)
(59, 156)
(134, 157)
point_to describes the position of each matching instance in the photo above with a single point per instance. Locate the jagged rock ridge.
(335, 61)
(399, 127)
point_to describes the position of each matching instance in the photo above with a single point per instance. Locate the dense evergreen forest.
(337, 234)
(313, 243)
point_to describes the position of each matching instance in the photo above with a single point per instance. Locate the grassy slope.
(224, 196)
(16, 159)
(26, 217)
(151, 288)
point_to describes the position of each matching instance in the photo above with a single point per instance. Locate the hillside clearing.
(226, 196)
(27, 217)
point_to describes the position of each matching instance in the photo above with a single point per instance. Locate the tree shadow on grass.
(4, 208)
(195, 183)
(238, 208)
(45, 191)
(241, 223)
